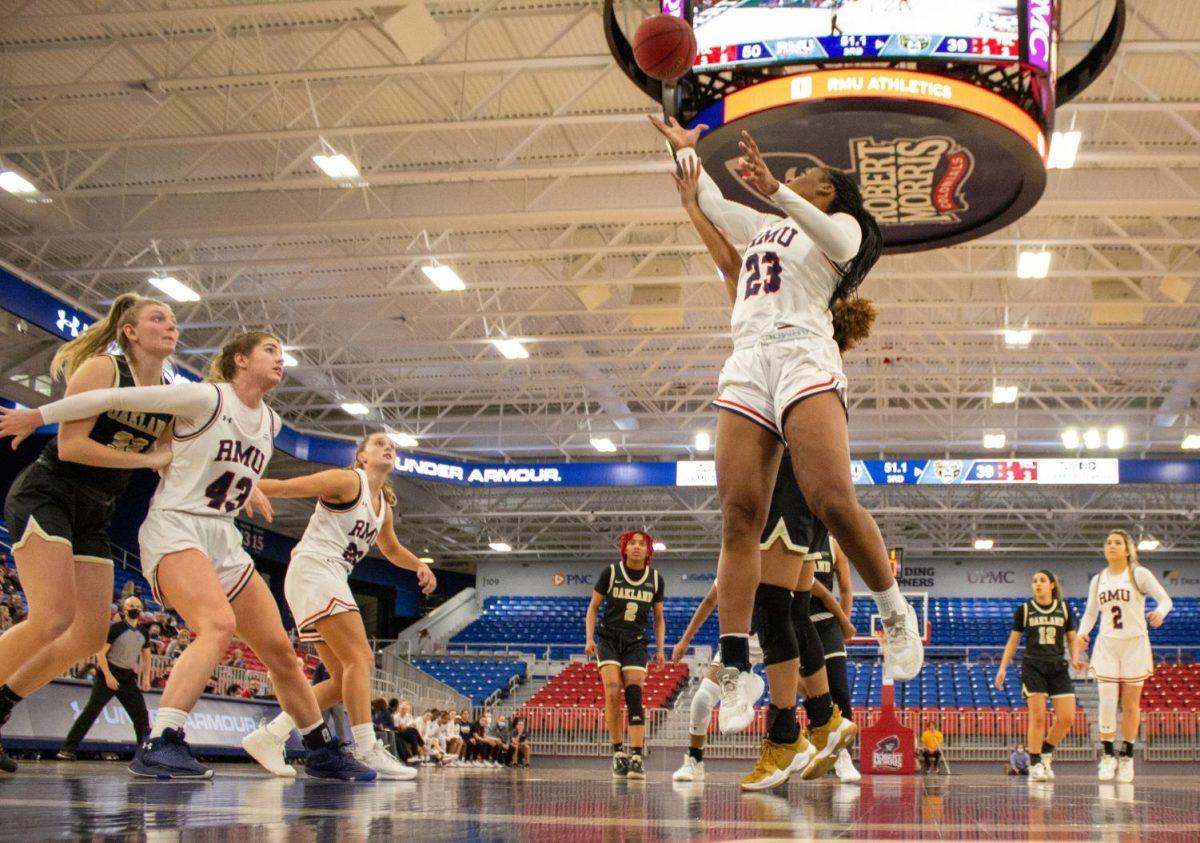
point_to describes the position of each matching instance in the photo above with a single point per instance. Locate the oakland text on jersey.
(642, 594)
(232, 450)
(1046, 620)
(152, 424)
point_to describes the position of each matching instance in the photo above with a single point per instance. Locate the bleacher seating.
(1173, 687)
(557, 622)
(478, 679)
(578, 686)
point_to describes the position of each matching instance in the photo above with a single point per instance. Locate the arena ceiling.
(179, 142)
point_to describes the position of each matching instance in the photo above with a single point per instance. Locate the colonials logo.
(887, 754)
(909, 181)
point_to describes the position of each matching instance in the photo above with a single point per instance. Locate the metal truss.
(180, 140)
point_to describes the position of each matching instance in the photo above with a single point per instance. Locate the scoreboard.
(771, 51)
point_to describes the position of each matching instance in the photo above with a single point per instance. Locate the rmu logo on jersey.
(1111, 595)
(781, 235)
(363, 530)
(231, 450)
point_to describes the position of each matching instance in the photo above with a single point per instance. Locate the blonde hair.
(96, 339)
(1131, 551)
(389, 494)
(224, 367)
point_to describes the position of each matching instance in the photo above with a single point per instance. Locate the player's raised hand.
(753, 168)
(676, 135)
(261, 504)
(687, 181)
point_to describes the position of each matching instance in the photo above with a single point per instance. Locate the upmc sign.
(940, 160)
(1039, 34)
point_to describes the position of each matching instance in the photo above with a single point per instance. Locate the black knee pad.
(812, 655)
(772, 607)
(633, 704)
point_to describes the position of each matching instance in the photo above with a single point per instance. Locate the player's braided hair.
(847, 198)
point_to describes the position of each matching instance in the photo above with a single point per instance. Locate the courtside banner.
(215, 724)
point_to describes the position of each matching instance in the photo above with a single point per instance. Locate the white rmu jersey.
(1121, 608)
(217, 460)
(344, 533)
(221, 447)
(788, 274)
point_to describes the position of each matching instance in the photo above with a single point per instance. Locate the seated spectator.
(488, 745)
(465, 727)
(931, 747)
(175, 648)
(154, 633)
(519, 737)
(385, 727)
(234, 690)
(16, 608)
(5, 617)
(237, 658)
(503, 750)
(160, 682)
(408, 736)
(259, 689)
(213, 683)
(445, 732)
(1018, 762)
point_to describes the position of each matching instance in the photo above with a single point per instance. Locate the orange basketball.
(664, 47)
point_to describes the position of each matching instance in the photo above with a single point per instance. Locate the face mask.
(133, 613)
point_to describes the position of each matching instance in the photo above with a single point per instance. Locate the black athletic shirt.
(1045, 629)
(120, 430)
(628, 598)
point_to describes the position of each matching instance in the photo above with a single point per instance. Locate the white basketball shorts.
(218, 538)
(316, 589)
(1127, 660)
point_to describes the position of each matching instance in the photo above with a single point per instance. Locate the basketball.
(664, 47)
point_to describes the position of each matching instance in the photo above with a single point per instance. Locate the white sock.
(890, 601)
(281, 726)
(168, 718)
(364, 738)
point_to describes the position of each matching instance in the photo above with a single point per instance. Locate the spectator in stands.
(394, 706)
(385, 725)
(448, 735)
(175, 648)
(234, 690)
(502, 751)
(237, 658)
(1018, 762)
(931, 747)
(519, 737)
(131, 589)
(466, 735)
(407, 735)
(16, 607)
(5, 617)
(154, 634)
(259, 689)
(487, 745)
(169, 628)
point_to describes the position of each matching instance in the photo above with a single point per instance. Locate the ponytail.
(224, 366)
(852, 321)
(847, 199)
(95, 340)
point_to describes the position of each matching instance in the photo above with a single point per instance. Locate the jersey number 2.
(217, 492)
(631, 612)
(1117, 624)
(759, 265)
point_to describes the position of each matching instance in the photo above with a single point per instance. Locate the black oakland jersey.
(822, 556)
(629, 597)
(1045, 629)
(121, 430)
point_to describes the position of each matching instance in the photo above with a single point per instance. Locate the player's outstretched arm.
(719, 246)
(402, 557)
(335, 485)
